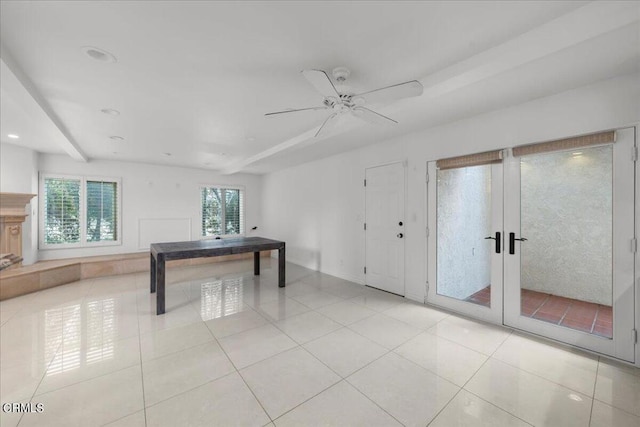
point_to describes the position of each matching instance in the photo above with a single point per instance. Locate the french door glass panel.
(464, 220)
(566, 201)
(466, 272)
(570, 278)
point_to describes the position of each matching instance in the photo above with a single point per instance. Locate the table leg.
(152, 271)
(160, 282)
(281, 272)
(256, 263)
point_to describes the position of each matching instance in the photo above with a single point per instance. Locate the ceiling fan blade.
(371, 116)
(296, 110)
(327, 125)
(321, 82)
(389, 94)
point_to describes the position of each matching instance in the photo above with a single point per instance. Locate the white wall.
(152, 192)
(464, 220)
(318, 207)
(566, 211)
(19, 174)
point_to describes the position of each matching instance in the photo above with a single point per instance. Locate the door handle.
(512, 242)
(400, 236)
(497, 239)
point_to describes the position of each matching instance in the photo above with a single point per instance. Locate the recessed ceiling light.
(13, 136)
(98, 54)
(577, 154)
(167, 154)
(110, 111)
(116, 138)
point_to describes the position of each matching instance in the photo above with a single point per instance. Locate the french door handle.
(497, 239)
(512, 242)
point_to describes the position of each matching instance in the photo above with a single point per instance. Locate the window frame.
(242, 221)
(83, 205)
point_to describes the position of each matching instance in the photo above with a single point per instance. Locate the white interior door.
(569, 229)
(384, 227)
(465, 241)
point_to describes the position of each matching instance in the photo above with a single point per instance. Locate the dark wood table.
(162, 252)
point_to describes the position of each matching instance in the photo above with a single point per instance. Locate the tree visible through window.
(62, 210)
(78, 211)
(222, 211)
(101, 212)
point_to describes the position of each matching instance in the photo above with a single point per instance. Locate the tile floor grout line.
(305, 401)
(618, 408)
(44, 374)
(595, 318)
(540, 306)
(564, 314)
(237, 371)
(189, 390)
(500, 408)
(478, 370)
(372, 401)
(144, 401)
(541, 377)
(463, 345)
(595, 383)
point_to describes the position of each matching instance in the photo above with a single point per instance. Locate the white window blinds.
(79, 211)
(222, 211)
(102, 211)
(61, 211)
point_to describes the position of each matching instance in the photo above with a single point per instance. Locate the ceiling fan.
(340, 103)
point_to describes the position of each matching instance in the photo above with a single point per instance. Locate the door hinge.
(365, 182)
(426, 179)
(365, 270)
(634, 154)
(427, 231)
(426, 291)
(634, 245)
(634, 336)
(365, 225)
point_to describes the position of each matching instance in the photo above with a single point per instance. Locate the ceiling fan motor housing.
(341, 74)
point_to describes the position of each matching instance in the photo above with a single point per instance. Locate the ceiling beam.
(12, 73)
(580, 25)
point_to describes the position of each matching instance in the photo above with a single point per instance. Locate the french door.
(565, 265)
(465, 239)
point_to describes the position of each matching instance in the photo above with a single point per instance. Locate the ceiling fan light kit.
(340, 103)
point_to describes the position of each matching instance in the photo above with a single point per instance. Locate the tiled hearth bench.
(47, 274)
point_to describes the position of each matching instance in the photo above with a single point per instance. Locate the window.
(102, 222)
(79, 211)
(222, 211)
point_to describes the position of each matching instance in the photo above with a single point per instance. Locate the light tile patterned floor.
(234, 349)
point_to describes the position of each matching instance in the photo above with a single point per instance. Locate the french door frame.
(505, 273)
(622, 346)
(493, 313)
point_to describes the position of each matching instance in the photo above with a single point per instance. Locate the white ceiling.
(194, 79)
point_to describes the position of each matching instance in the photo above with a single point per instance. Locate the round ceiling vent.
(98, 54)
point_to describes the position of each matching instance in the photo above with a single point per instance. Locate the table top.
(247, 243)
